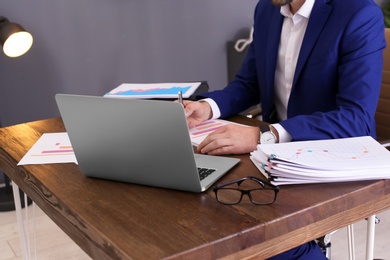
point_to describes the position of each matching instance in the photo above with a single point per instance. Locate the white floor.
(339, 240)
(53, 243)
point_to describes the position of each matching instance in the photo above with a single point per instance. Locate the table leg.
(23, 232)
(370, 237)
(351, 242)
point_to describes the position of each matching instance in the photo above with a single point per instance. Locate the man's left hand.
(230, 139)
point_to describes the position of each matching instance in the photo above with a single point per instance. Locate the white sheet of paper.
(153, 90)
(50, 148)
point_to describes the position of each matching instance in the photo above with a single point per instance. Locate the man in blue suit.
(315, 66)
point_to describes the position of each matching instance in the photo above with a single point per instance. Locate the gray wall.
(91, 46)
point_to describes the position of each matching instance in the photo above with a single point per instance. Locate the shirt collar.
(304, 11)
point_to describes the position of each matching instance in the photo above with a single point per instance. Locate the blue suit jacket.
(338, 74)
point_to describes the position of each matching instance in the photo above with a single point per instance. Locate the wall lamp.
(15, 40)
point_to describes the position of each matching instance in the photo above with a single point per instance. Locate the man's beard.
(281, 2)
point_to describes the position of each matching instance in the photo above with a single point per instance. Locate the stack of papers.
(336, 160)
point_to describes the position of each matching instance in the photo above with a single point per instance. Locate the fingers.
(196, 112)
(217, 142)
(230, 139)
(188, 109)
(217, 148)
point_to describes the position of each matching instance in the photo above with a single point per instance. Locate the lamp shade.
(15, 40)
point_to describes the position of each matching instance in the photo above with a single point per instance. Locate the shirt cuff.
(284, 136)
(214, 108)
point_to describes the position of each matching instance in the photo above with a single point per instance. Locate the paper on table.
(200, 132)
(50, 148)
(153, 90)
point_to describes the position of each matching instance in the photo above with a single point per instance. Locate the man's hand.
(196, 112)
(230, 139)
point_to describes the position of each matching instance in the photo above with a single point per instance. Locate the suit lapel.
(272, 47)
(318, 18)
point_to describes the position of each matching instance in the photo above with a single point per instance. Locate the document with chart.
(154, 90)
(50, 148)
(334, 160)
(201, 131)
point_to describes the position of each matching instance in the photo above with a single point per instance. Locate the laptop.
(137, 141)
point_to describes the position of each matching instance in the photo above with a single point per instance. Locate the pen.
(180, 98)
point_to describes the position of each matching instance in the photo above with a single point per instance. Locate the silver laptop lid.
(137, 141)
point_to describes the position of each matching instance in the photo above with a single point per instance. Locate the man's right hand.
(196, 112)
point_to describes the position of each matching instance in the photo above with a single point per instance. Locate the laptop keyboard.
(204, 172)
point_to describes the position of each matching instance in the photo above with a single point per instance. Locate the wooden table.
(113, 220)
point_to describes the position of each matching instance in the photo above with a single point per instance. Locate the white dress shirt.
(293, 31)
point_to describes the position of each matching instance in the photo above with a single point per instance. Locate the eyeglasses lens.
(229, 196)
(262, 196)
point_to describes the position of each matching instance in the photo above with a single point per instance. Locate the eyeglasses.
(260, 192)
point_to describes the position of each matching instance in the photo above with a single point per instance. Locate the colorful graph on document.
(56, 149)
(200, 132)
(50, 148)
(318, 153)
(153, 92)
(329, 153)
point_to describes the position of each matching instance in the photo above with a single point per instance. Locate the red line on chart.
(208, 126)
(57, 151)
(207, 123)
(52, 154)
(331, 154)
(207, 130)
